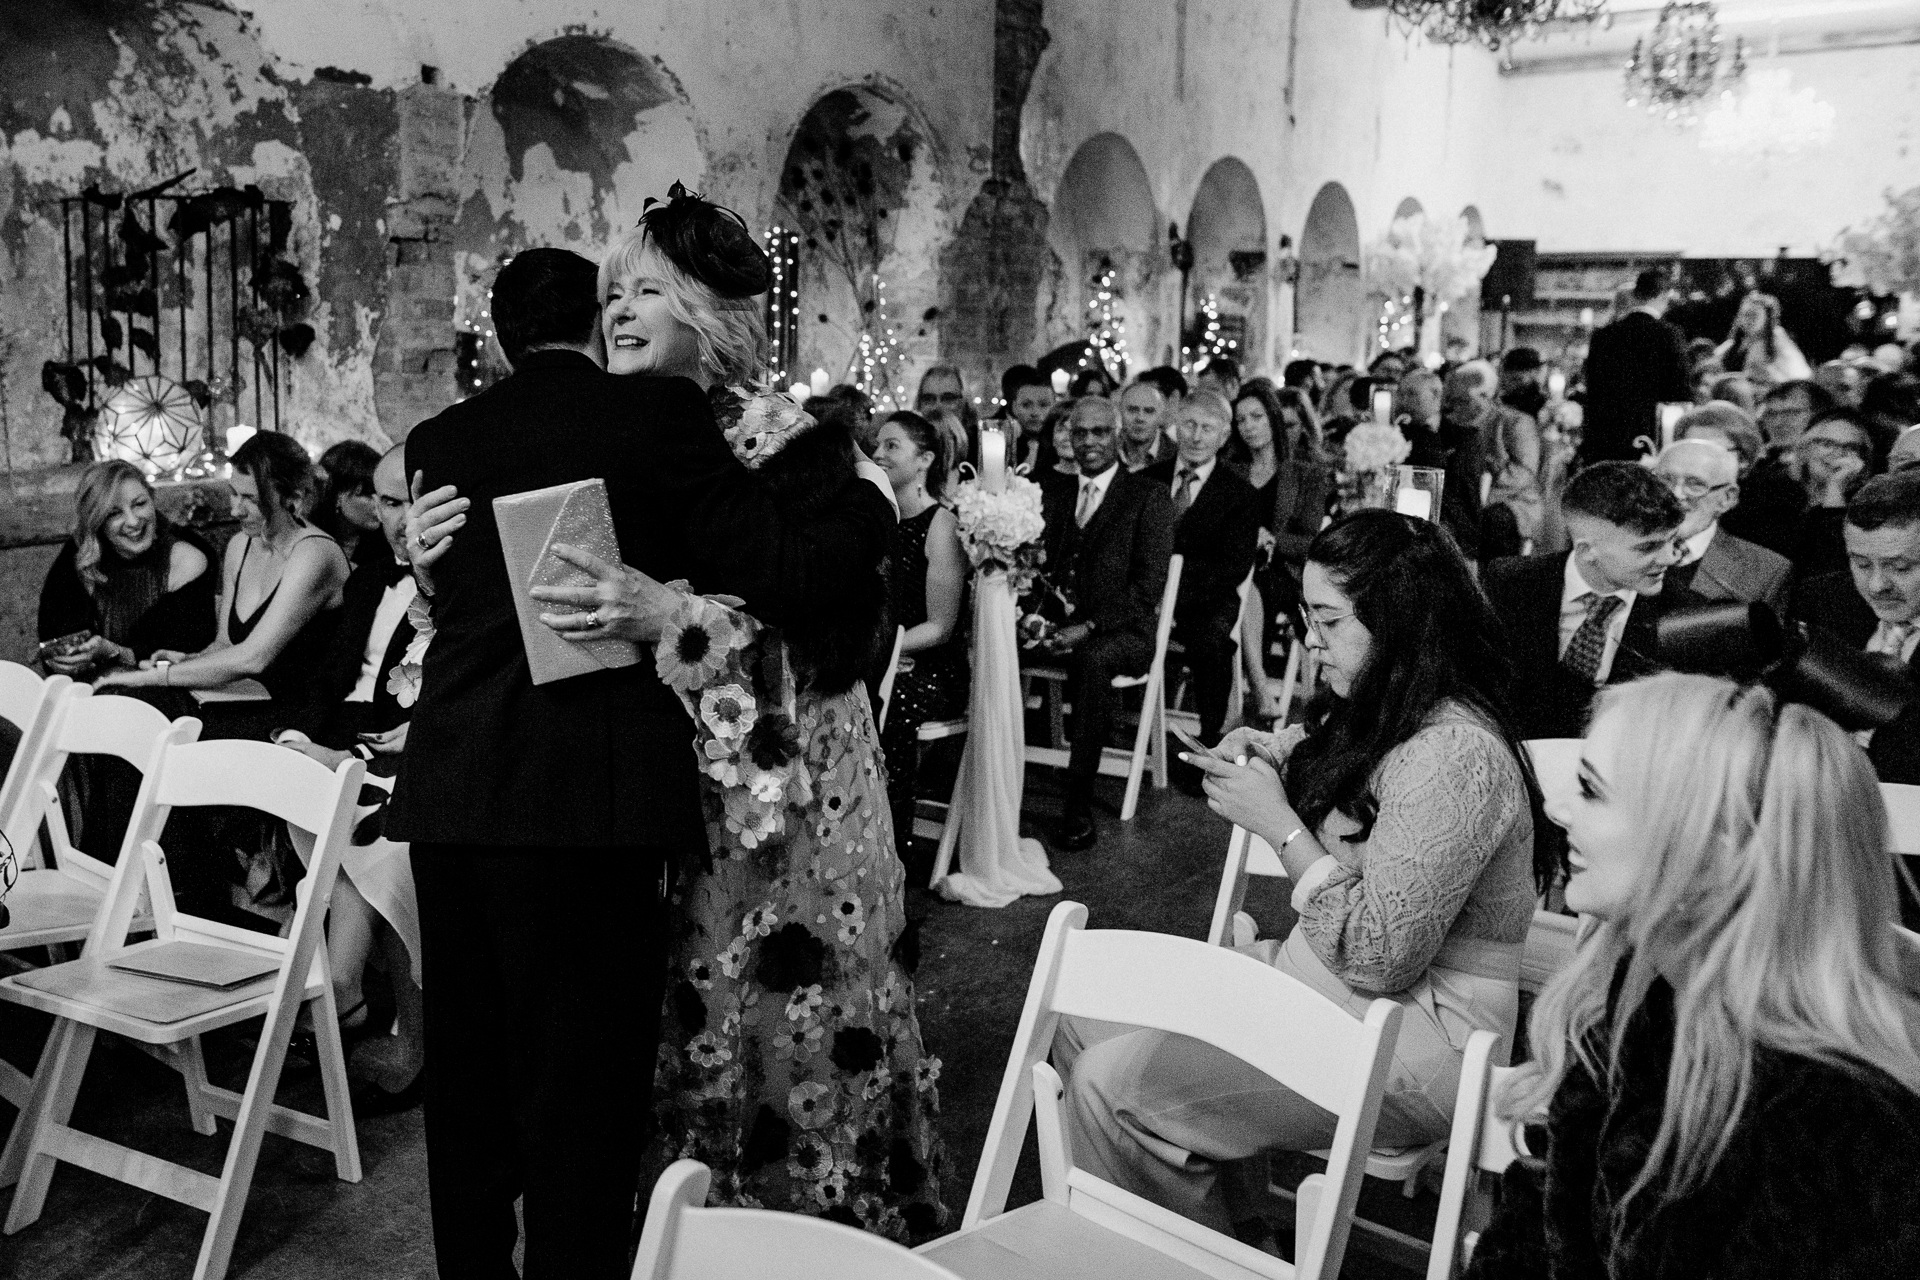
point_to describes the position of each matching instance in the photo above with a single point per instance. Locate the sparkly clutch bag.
(530, 523)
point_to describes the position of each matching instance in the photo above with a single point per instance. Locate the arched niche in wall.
(1330, 301)
(1227, 228)
(1103, 214)
(563, 150)
(861, 193)
(1408, 207)
(1461, 319)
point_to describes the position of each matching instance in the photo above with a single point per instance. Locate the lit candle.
(821, 382)
(1383, 406)
(993, 460)
(1061, 381)
(799, 391)
(237, 435)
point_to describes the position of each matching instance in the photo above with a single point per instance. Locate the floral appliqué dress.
(790, 1060)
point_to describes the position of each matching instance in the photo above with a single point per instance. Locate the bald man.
(1705, 476)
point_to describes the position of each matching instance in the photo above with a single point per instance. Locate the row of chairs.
(67, 897)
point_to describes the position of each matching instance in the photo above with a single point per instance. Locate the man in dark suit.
(1634, 365)
(1216, 529)
(1583, 619)
(1714, 565)
(1875, 605)
(545, 819)
(1108, 538)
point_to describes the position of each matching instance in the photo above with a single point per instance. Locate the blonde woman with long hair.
(1728, 1074)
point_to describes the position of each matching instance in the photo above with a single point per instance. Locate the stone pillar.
(994, 269)
(413, 361)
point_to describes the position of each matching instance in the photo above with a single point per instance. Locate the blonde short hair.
(732, 333)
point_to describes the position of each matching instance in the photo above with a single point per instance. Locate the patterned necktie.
(1085, 513)
(1589, 643)
(1183, 496)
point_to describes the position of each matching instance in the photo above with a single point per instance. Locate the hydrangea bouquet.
(1001, 531)
(1369, 471)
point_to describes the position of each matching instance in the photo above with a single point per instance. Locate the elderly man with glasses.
(1704, 476)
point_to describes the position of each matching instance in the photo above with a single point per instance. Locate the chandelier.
(1493, 23)
(1768, 118)
(1682, 64)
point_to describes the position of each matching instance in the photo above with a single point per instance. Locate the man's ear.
(1733, 497)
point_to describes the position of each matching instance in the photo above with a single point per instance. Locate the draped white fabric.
(996, 865)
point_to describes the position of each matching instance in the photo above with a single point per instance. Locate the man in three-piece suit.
(1634, 365)
(1216, 529)
(1875, 605)
(1109, 537)
(545, 818)
(1583, 619)
(1714, 565)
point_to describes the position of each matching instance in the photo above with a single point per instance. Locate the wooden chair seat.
(1048, 1241)
(49, 908)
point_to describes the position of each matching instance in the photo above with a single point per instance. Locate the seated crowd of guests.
(300, 635)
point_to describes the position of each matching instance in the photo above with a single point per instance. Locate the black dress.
(183, 619)
(291, 676)
(936, 686)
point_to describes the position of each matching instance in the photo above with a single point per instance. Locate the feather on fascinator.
(709, 242)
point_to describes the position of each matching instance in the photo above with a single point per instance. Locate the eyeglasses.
(1691, 488)
(1319, 625)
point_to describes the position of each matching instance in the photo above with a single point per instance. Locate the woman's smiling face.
(131, 526)
(641, 332)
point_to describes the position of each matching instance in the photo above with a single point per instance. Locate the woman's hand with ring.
(621, 603)
(1249, 795)
(432, 521)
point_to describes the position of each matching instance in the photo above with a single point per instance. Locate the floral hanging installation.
(1422, 266)
(1882, 257)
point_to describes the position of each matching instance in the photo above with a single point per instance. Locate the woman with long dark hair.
(1404, 814)
(345, 508)
(129, 582)
(1727, 1074)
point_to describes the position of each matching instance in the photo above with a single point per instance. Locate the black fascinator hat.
(708, 242)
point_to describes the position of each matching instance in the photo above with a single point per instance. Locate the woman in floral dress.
(791, 1061)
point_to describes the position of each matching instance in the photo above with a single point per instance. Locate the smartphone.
(61, 646)
(1187, 740)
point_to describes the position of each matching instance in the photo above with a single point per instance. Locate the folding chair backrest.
(1163, 626)
(1556, 764)
(893, 673)
(1482, 1142)
(1247, 855)
(110, 725)
(30, 705)
(1186, 987)
(686, 1241)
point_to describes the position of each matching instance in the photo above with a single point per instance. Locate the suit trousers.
(546, 968)
(1091, 668)
(1208, 642)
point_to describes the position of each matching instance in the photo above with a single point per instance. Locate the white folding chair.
(685, 1240)
(29, 704)
(893, 673)
(933, 820)
(1087, 1227)
(1150, 738)
(88, 995)
(1482, 1143)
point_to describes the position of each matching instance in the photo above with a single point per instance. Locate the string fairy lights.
(1106, 329)
(783, 303)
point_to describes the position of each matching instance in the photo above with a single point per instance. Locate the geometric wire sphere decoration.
(1681, 65)
(1493, 23)
(151, 422)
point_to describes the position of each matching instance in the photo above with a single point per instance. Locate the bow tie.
(393, 572)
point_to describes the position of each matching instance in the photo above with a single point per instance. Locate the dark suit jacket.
(1116, 568)
(1217, 536)
(330, 719)
(1735, 569)
(1832, 603)
(1633, 365)
(1548, 700)
(600, 759)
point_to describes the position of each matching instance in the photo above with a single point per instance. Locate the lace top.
(1450, 856)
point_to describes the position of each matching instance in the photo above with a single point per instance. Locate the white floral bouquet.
(1001, 530)
(1374, 447)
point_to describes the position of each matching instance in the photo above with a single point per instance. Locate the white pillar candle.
(821, 382)
(993, 460)
(1383, 406)
(799, 391)
(1061, 381)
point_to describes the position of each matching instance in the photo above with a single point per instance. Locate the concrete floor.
(1159, 872)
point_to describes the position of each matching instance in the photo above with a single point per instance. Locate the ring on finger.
(593, 619)
(420, 541)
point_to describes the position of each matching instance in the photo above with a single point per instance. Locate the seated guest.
(363, 700)
(1216, 527)
(1404, 819)
(926, 582)
(1058, 427)
(1715, 565)
(1276, 439)
(1091, 381)
(1725, 1079)
(1772, 500)
(1490, 443)
(1108, 539)
(1336, 401)
(1889, 406)
(345, 508)
(1222, 374)
(1844, 380)
(860, 406)
(1145, 413)
(128, 579)
(1733, 389)
(942, 390)
(1172, 383)
(1523, 381)
(1029, 394)
(1834, 458)
(283, 587)
(841, 416)
(1582, 619)
(1309, 377)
